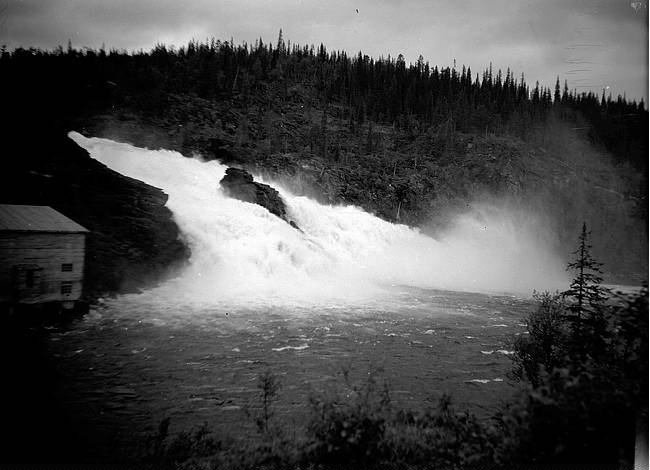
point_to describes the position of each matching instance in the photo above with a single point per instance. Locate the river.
(346, 296)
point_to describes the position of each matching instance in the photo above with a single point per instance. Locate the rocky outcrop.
(239, 184)
(133, 241)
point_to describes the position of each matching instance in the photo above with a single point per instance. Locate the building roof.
(36, 219)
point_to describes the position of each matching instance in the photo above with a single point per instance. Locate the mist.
(242, 254)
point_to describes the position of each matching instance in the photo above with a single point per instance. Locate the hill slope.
(409, 143)
(422, 180)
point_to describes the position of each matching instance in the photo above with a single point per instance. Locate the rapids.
(243, 255)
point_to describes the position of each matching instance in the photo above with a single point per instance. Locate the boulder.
(239, 184)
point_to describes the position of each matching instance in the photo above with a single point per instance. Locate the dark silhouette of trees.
(412, 97)
(585, 365)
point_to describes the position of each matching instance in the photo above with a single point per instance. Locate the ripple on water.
(484, 381)
(295, 348)
(194, 362)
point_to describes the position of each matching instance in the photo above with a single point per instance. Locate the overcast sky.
(594, 44)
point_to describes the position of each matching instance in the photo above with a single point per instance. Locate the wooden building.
(41, 256)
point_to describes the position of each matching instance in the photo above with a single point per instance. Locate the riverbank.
(133, 241)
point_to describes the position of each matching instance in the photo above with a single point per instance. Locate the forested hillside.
(410, 142)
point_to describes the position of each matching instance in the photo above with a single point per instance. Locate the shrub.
(268, 385)
(365, 431)
(582, 409)
(545, 345)
(188, 449)
(440, 437)
(348, 431)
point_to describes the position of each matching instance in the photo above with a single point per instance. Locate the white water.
(242, 254)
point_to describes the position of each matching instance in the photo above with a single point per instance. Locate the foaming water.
(242, 255)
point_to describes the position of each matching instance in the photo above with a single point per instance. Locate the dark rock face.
(133, 240)
(239, 184)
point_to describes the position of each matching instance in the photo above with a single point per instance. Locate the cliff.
(133, 241)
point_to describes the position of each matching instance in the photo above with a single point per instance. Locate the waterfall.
(243, 253)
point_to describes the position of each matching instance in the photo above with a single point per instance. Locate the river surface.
(347, 296)
(132, 362)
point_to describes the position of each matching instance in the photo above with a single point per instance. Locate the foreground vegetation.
(584, 371)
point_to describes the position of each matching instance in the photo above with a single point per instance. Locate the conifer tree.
(557, 97)
(585, 291)
(565, 93)
(281, 48)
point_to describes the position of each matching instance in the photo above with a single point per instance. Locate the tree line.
(411, 97)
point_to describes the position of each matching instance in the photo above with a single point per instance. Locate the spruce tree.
(585, 291)
(557, 97)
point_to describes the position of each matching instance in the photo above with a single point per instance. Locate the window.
(66, 267)
(66, 287)
(27, 279)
